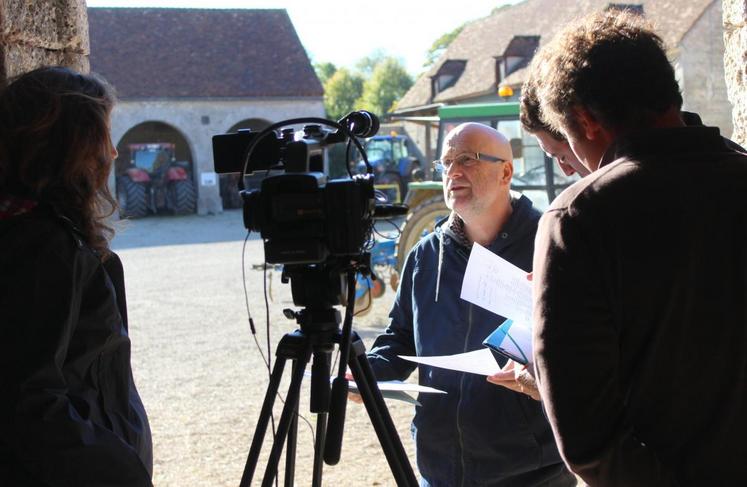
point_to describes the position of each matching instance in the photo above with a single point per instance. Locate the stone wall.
(735, 61)
(700, 70)
(35, 33)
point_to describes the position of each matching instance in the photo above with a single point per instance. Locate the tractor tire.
(132, 198)
(184, 197)
(420, 222)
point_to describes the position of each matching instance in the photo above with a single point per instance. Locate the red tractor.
(153, 180)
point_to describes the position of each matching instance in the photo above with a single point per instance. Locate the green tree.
(440, 45)
(367, 64)
(341, 91)
(324, 71)
(388, 82)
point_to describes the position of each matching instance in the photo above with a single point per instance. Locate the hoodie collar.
(451, 230)
(453, 226)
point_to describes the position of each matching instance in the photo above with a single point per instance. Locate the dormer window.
(447, 75)
(517, 55)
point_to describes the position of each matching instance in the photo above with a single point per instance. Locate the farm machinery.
(154, 180)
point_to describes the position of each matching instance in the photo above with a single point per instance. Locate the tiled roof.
(481, 41)
(198, 53)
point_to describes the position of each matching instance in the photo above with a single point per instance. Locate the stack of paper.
(499, 286)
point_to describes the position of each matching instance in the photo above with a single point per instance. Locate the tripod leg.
(379, 415)
(264, 418)
(321, 433)
(289, 413)
(290, 453)
(290, 449)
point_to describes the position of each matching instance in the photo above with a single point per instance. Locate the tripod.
(318, 333)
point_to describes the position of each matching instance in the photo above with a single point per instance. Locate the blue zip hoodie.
(478, 433)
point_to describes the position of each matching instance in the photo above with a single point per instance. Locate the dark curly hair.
(55, 146)
(530, 113)
(614, 66)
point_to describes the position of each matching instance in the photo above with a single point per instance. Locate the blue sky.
(343, 31)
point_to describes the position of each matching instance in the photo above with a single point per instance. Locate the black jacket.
(70, 414)
(640, 340)
(478, 433)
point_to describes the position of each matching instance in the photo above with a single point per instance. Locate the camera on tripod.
(321, 231)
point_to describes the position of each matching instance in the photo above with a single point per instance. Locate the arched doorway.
(154, 171)
(229, 182)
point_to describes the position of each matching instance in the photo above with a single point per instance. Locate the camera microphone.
(361, 123)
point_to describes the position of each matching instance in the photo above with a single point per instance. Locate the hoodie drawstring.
(440, 262)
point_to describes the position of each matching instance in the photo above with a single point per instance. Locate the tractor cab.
(393, 167)
(151, 157)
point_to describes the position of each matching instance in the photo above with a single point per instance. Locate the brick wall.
(735, 61)
(42, 32)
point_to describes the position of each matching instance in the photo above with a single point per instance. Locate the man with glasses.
(477, 433)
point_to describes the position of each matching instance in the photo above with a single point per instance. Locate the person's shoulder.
(591, 191)
(428, 243)
(41, 232)
(524, 208)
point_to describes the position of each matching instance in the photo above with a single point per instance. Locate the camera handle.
(299, 347)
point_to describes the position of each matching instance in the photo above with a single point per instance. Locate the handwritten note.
(497, 285)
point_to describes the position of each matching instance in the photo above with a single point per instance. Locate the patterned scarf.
(456, 226)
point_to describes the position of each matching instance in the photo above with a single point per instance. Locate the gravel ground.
(196, 365)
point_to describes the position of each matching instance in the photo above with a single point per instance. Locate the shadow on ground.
(180, 230)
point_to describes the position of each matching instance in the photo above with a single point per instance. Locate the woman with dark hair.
(69, 410)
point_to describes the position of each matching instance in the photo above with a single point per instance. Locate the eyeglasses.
(466, 159)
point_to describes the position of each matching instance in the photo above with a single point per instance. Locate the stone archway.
(153, 132)
(255, 124)
(164, 153)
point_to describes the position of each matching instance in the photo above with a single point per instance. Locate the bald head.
(477, 137)
(477, 188)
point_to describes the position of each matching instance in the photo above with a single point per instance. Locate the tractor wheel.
(132, 198)
(184, 197)
(420, 222)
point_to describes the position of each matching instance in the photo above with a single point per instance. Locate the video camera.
(304, 218)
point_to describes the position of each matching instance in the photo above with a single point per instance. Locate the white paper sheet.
(398, 385)
(479, 362)
(497, 285)
(396, 389)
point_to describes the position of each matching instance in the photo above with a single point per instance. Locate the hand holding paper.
(518, 378)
